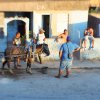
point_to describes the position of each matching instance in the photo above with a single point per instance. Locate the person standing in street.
(66, 56)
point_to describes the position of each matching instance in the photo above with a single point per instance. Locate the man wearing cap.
(40, 37)
(41, 42)
(66, 56)
(63, 36)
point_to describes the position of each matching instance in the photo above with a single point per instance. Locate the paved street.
(83, 84)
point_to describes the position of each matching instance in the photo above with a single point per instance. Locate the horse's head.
(46, 49)
(43, 49)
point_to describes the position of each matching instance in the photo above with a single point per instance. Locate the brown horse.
(40, 49)
(11, 54)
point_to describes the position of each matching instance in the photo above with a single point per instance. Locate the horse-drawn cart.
(13, 53)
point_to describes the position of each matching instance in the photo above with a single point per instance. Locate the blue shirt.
(67, 48)
(30, 42)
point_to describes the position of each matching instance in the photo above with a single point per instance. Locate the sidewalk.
(76, 64)
(86, 64)
(55, 64)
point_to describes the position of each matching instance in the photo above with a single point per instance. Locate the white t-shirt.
(17, 41)
(41, 38)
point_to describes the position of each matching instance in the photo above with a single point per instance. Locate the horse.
(11, 54)
(42, 49)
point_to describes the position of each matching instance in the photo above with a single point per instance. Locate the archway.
(13, 25)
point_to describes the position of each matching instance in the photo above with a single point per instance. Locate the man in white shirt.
(40, 37)
(41, 42)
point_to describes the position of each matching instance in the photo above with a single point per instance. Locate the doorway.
(46, 25)
(21, 28)
(13, 27)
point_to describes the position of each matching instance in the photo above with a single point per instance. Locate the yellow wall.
(95, 3)
(1, 19)
(30, 5)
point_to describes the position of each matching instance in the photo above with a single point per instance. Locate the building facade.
(53, 16)
(95, 3)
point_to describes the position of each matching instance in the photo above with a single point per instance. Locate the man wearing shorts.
(66, 56)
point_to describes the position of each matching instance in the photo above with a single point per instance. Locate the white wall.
(37, 22)
(78, 16)
(59, 21)
(62, 22)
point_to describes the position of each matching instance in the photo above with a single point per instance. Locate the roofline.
(34, 5)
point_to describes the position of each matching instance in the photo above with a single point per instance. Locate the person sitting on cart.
(17, 42)
(17, 39)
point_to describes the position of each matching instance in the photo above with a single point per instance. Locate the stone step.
(93, 53)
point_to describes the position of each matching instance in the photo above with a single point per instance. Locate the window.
(46, 25)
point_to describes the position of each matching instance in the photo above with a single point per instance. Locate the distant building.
(94, 6)
(52, 15)
(95, 3)
(94, 22)
(94, 17)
